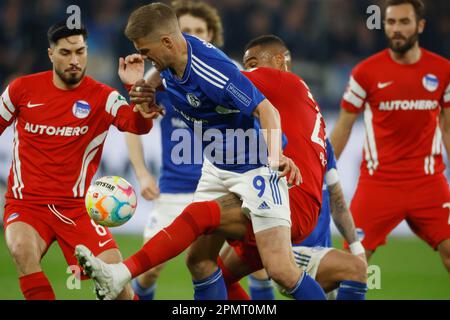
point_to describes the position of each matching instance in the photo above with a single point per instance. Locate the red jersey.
(59, 135)
(401, 105)
(301, 122)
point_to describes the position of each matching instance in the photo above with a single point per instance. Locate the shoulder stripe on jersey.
(371, 144)
(206, 78)
(114, 102)
(18, 182)
(7, 100)
(90, 152)
(4, 112)
(204, 71)
(352, 98)
(218, 73)
(356, 88)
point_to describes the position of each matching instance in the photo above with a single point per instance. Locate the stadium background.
(326, 37)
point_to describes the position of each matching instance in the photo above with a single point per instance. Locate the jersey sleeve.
(9, 104)
(223, 82)
(331, 176)
(124, 118)
(356, 92)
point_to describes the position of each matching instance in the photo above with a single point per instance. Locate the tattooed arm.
(342, 217)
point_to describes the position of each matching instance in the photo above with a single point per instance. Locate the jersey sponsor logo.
(408, 105)
(238, 94)
(56, 131)
(430, 82)
(188, 117)
(193, 100)
(81, 109)
(222, 110)
(30, 105)
(382, 85)
(12, 217)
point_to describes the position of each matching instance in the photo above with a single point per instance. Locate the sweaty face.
(401, 27)
(195, 26)
(69, 58)
(268, 57)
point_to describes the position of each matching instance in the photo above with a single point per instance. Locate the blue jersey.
(214, 95)
(321, 235)
(176, 177)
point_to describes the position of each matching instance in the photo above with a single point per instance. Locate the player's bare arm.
(271, 124)
(342, 130)
(149, 187)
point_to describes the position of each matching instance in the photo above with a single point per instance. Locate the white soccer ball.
(111, 201)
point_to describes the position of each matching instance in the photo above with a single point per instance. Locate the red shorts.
(68, 226)
(378, 207)
(304, 214)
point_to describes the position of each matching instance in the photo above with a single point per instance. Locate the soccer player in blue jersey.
(208, 90)
(178, 181)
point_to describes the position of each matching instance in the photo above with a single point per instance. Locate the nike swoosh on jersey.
(29, 105)
(382, 85)
(102, 244)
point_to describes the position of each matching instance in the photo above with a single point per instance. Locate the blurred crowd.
(326, 37)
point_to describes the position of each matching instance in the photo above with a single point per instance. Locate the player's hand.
(142, 92)
(131, 69)
(149, 187)
(287, 168)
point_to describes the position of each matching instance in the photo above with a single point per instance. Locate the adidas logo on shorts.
(264, 205)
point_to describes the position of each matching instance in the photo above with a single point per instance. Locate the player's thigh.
(166, 209)
(429, 213)
(27, 233)
(377, 209)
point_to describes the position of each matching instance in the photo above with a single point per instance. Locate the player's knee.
(199, 266)
(24, 255)
(284, 275)
(356, 270)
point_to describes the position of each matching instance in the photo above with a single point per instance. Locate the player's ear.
(421, 25)
(167, 42)
(50, 54)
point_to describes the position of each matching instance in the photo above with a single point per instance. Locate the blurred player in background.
(177, 183)
(330, 267)
(404, 92)
(61, 119)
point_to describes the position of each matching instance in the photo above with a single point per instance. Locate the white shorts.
(264, 195)
(309, 258)
(166, 208)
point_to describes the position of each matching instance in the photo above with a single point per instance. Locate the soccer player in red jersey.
(60, 119)
(403, 92)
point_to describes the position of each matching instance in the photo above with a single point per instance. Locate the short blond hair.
(205, 12)
(150, 18)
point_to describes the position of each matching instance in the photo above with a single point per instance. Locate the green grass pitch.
(409, 270)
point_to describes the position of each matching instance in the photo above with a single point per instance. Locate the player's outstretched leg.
(27, 247)
(196, 219)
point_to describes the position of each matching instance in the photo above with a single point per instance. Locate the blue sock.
(352, 290)
(143, 293)
(211, 288)
(260, 289)
(307, 289)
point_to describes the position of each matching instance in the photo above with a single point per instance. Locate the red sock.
(136, 297)
(234, 288)
(35, 286)
(196, 219)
